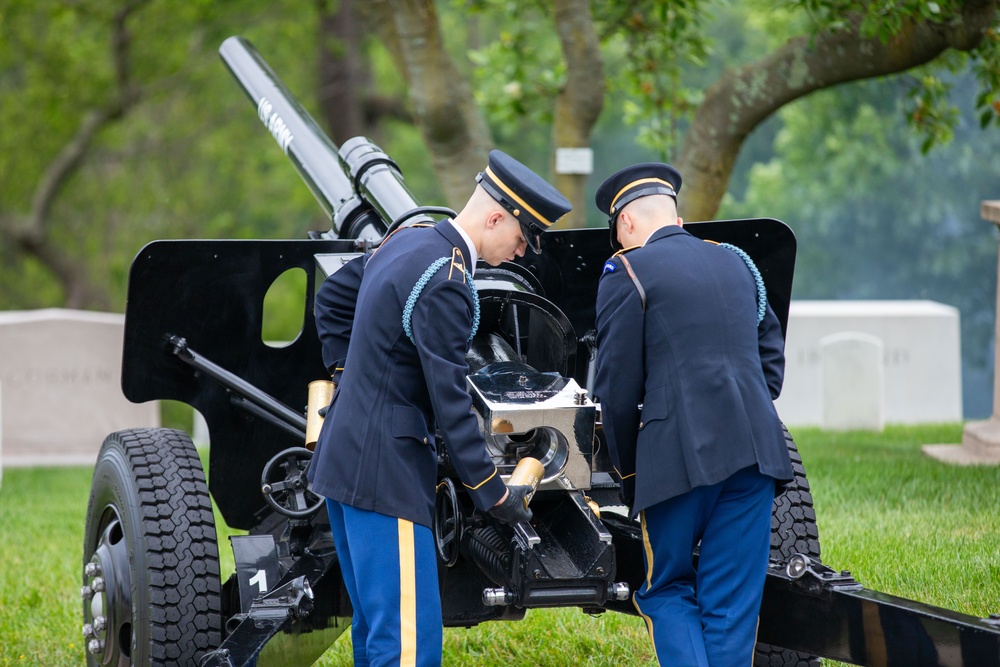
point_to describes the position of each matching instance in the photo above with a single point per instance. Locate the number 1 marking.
(260, 579)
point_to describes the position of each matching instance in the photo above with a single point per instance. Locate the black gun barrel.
(300, 138)
(380, 183)
(360, 187)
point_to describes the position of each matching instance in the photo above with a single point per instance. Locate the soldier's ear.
(680, 221)
(625, 222)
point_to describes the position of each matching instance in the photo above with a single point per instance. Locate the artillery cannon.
(151, 576)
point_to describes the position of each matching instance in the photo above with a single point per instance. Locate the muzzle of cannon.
(359, 186)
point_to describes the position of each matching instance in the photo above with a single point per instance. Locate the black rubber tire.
(162, 596)
(793, 530)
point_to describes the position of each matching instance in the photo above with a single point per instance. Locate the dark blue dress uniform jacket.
(336, 301)
(377, 449)
(686, 386)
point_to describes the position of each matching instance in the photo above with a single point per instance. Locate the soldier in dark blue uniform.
(690, 357)
(335, 303)
(405, 369)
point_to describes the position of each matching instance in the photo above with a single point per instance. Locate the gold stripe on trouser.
(649, 576)
(649, 550)
(753, 649)
(407, 596)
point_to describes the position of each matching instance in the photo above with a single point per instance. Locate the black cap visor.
(615, 245)
(532, 236)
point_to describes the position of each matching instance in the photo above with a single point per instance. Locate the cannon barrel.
(295, 131)
(359, 186)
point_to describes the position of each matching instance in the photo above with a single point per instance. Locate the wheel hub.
(107, 596)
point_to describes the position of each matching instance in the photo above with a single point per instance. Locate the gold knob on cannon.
(320, 395)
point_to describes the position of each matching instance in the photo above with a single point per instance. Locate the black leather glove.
(513, 508)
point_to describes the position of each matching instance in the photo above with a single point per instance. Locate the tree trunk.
(456, 134)
(744, 97)
(581, 99)
(343, 74)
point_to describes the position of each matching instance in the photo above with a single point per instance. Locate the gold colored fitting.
(502, 426)
(320, 395)
(528, 472)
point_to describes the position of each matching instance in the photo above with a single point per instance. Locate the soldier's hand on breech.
(512, 507)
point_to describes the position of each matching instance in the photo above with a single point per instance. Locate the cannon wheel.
(151, 593)
(793, 530)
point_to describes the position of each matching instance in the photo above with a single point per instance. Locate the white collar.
(473, 256)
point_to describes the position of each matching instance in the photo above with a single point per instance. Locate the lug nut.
(100, 623)
(98, 584)
(92, 569)
(95, 646)
(88, 631)
(86, 592)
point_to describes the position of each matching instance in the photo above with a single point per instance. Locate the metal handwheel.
(447, 523)
(284, 486)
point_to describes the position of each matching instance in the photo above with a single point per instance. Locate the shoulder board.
(457, 269)
(398, 230)
(610, 266)
(625, 250)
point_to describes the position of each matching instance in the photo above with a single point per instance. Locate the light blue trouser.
(708, 617)
(390, 570)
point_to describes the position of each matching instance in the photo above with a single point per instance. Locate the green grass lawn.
(901, 522)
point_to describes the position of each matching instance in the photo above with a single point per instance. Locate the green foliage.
(986, 66)
(933, 115)
(661, 39)
(519, 73)
(931, 111)
(883, 20)
(189, 160)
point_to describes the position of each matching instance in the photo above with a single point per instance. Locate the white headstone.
(921, 357)
(853, 382)
(61, 372)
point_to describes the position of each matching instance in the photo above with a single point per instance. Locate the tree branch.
(32, 236)
(743, 98)
(451, 123)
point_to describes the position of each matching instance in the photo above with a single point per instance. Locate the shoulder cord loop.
(411, 301)
(761, 290)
